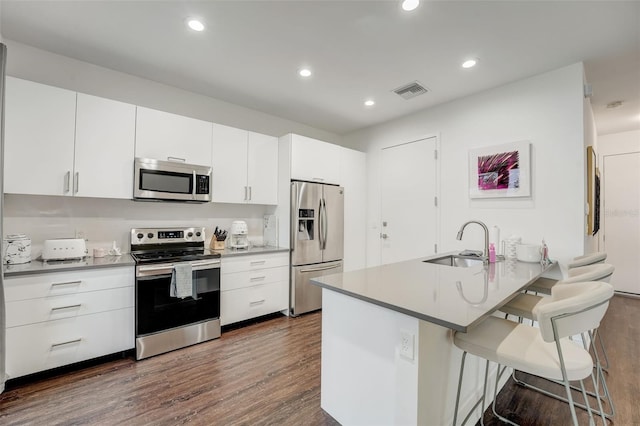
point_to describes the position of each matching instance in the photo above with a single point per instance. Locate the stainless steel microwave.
(171, 180)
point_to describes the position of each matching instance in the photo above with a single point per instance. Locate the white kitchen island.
(387, 352)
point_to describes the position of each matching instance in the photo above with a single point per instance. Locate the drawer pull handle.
(59, 308)
(260, 278)
(258, 262)
(66, 283)
(55, 345)
(257, 302)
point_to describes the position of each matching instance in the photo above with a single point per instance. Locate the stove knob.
(198, 234)
(149, 235)
(190, 234)
(140, 236)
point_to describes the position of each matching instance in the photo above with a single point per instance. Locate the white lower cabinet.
(253, 285)
(61, 318)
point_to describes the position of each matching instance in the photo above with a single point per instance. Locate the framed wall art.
(500, 171)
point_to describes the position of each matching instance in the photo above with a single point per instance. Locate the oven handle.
(167, 268)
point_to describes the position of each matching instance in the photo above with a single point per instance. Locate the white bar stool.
(543, 285)
(546, 352)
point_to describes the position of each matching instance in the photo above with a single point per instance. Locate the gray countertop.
(228, 252)
(37, 266)
(453, 297)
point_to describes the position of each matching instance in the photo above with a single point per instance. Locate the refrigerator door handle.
(323, 224)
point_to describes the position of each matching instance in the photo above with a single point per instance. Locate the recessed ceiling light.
(410, 5)
(369, 102)
(469, 63)
(304, 72)
(195, 25)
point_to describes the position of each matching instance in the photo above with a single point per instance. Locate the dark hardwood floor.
(266, 374)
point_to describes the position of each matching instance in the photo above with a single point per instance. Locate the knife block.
(216, 245)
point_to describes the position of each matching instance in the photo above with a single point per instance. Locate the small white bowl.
(528, 253)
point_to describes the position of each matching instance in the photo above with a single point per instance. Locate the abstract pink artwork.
(500, 171)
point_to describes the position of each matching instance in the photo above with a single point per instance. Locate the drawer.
(245, 303)
(237, 280)
(37, 347)
(253, 262)
(22, 312)
(59, 283)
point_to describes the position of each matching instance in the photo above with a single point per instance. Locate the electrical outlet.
(406, 344)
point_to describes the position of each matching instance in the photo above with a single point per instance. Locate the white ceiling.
(251, 50)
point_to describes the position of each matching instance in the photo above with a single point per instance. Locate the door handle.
(76, 182)
(384, 236)
(67, 179)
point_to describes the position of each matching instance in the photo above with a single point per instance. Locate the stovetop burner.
(169, 245)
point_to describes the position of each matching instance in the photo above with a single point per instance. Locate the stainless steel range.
(168, 261)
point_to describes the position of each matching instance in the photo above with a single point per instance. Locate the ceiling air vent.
(411, 90)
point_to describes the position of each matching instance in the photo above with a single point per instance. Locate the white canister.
(16, 249)
(528, 253)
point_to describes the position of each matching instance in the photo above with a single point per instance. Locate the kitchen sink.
(455, 261)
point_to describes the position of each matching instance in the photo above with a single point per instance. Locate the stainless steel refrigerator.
(317, 240)
(3, 347)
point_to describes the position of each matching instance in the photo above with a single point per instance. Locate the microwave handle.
(178, 159)
(193, 186)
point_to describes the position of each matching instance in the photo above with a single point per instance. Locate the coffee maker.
(239, 235)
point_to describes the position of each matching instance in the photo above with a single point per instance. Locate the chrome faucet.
(486, 236)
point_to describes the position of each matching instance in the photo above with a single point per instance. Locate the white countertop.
(453, 297)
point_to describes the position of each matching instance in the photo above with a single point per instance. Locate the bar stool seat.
(521, 347)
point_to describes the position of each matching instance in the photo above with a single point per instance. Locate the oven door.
(157, 311)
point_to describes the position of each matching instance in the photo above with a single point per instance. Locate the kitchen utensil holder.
(217, 245)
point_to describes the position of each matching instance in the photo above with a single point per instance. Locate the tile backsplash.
(102, 221)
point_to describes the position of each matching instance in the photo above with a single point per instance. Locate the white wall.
(546, 110)
(102, 221)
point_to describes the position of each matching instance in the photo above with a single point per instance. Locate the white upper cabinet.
(245, 166)
(262, 159)
(39, 138)
(105, 132)
(164, 136)
(314, 160)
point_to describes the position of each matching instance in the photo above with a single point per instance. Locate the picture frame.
(500, 171)
(593, 192)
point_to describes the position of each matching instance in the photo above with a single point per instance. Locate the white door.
(408, 204)
(621, 219)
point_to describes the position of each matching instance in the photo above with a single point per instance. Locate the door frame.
(437, 186)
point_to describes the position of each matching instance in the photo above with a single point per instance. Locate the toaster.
(64, 248)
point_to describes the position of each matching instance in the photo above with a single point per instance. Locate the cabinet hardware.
(67, 179)
(76, 182)
(257, 302)
(258, 262)
(318, 179)
(68, 342)
(59, 308)
(66, 283)
(260, 278)
(245, 193)
(249, 193)
(182, 160)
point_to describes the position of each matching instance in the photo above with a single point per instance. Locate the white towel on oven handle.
(182, 281)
